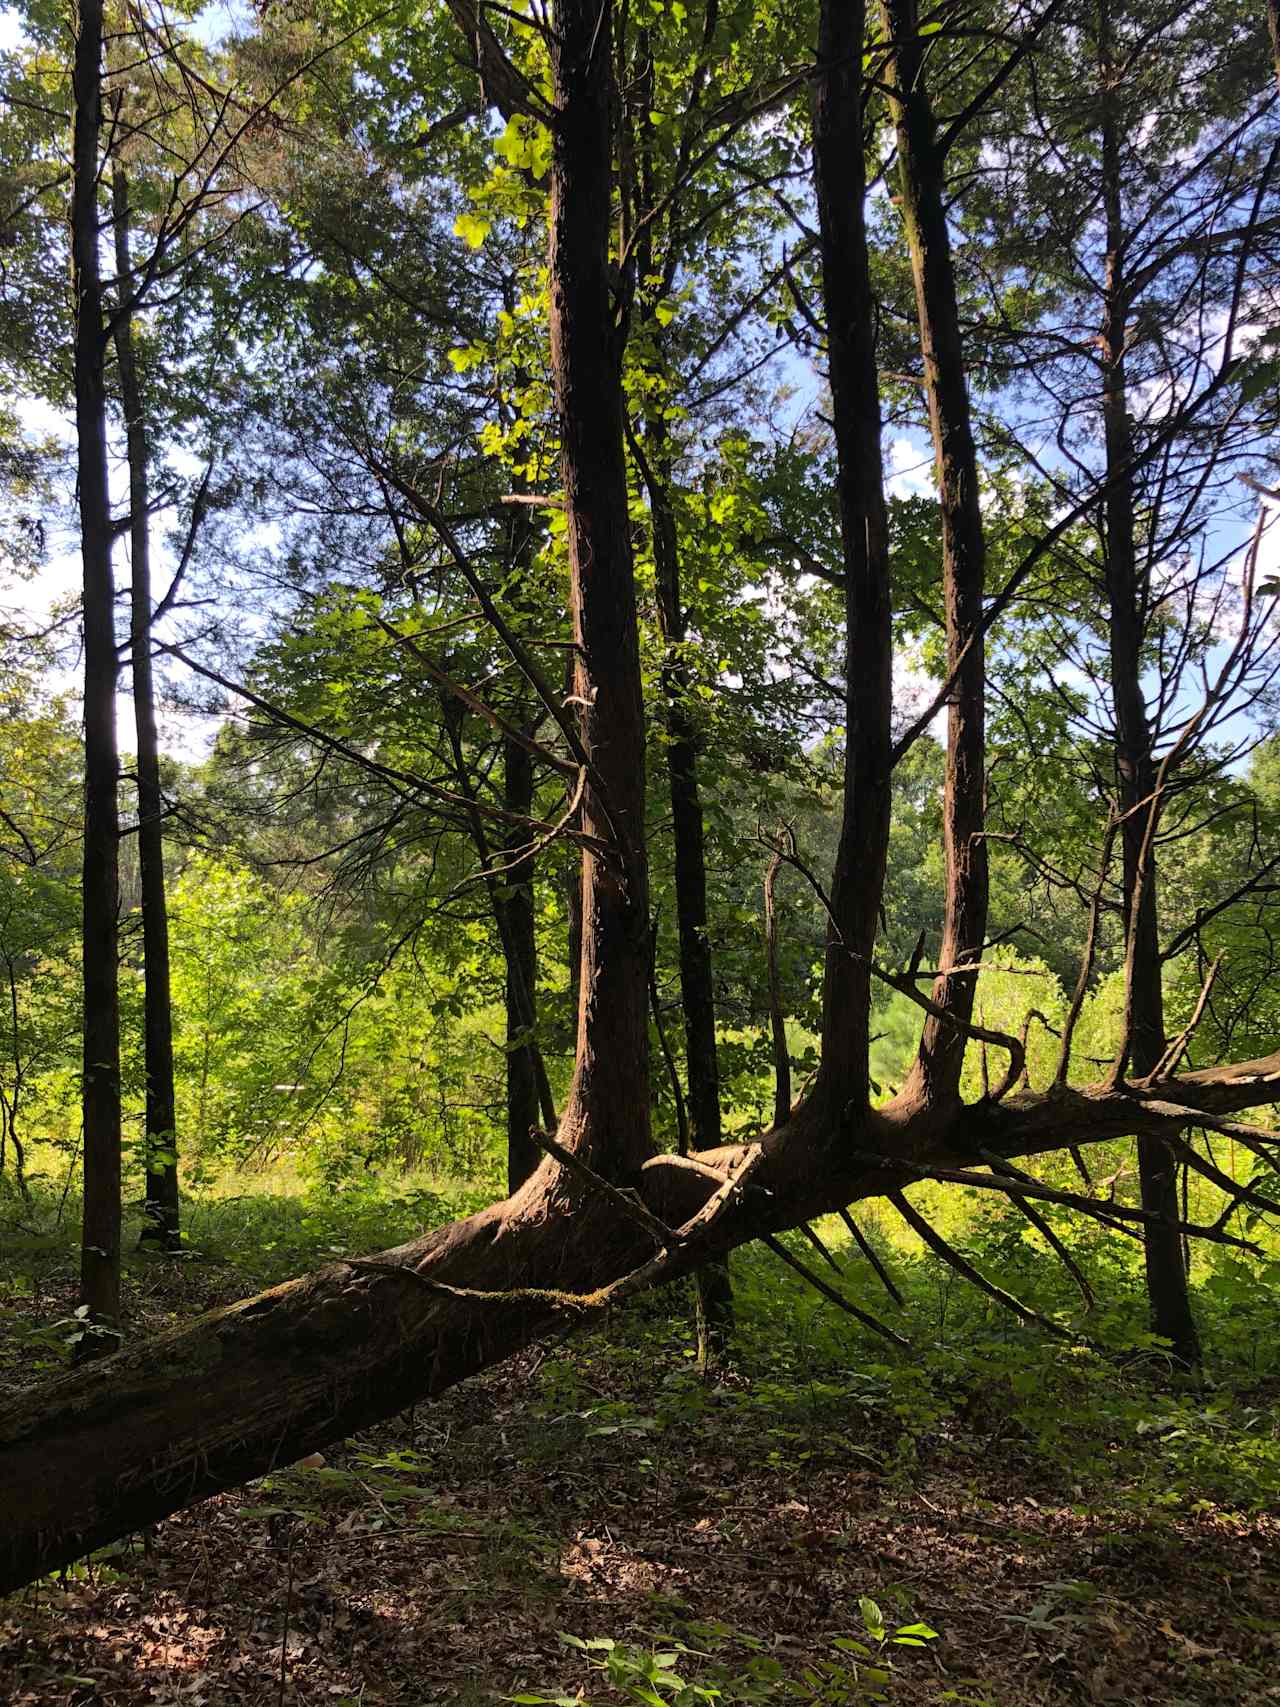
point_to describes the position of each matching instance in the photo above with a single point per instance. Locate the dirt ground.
(440, 1558)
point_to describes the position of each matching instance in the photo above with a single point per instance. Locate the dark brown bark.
(528, 1093)
(777, 1012)
(160, 1229)
(573, 886)
(858, 878)
(508, 879)
(573, 933)
(936, 1076)
(700, 1116)
(646, 181)
(607, 1113)
(697, 987)
(238, 1392)
(100, 1244)
(1167, 1288)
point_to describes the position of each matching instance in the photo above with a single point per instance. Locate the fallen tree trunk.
(242, 1390)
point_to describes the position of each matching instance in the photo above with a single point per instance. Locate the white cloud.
(909, 469)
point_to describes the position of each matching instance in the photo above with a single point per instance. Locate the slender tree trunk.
(936, 1075)
(573, 933)
(777, 1012)
(1167, 1288)
(858, 877)
(524, 1062)
(510, 895)
(100, 1246)
(643, 177)
(714, 1291)
(608, 1108)
(573, 886)
(160, 1228)
(697, 988)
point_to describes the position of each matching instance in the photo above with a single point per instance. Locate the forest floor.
(733, 1532)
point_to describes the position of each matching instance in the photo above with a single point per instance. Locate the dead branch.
(1233, 1188)
(1100, 1210)
(963, 1267)
(998, 1164)
(819, 1246)
(829, 1292)
(1046, 1232)
(872, 1255)
(1168, 1062)
(628, 1202)
(474, 702)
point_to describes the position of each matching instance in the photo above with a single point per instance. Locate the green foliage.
(253, 1238)
(705, 1663)
(1105, 1413)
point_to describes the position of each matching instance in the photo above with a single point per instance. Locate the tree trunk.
(160, 1229)
(100, 1242)
(573, 885)
(857, 884)
(645, 177)
(714, 1306)
(777, 1011)
(608, 1108)
(936, 1075)
(697, 988)
(242, 1390)
(526, 1075)
(1167, 1288)
(508, 884)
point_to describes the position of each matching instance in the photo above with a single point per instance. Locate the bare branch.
(963, 1267)
(829, 1292)
(1168, 1062)
(628, 1202)
(872, 1255)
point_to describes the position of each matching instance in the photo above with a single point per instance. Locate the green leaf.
(872, 1617)
(473, 228)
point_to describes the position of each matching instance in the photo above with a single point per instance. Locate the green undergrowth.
(1099, 1403)
(699, 1663)
(1101, 1409)
(238, 1239)
(1011, 1434)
